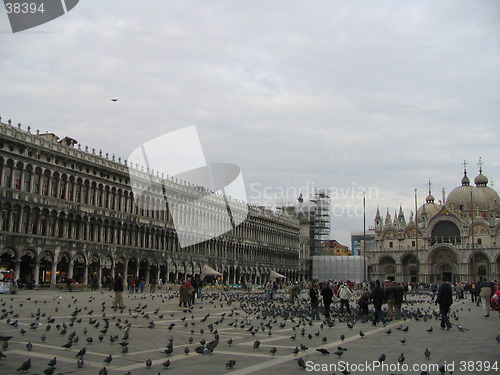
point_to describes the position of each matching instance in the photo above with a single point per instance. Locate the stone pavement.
(470, 352)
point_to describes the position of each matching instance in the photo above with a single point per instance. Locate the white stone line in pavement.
(60, 359)
(276, 361)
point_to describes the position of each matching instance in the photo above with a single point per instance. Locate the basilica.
(457, 238)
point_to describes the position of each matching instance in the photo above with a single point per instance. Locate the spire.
(430, 198)
(465, 179)
(377, 215)
(388, 218)
(481, 179)
(395, 217)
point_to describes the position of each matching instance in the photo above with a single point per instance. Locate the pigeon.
(52, 362)
(430, 330)
(25, 366)
(125, 350)
(256, 344)
(427, 353)
(49, 370)
(296, 350)
(166, 363)
(361, 333)
(339, 353)
(230, 341)
(230, 363)
(149, 362)
(382, 358)
(401, 358)
(108, 359)
(403, 340)
(389, 331)
(273, 350)
(301, 363)
(81, 353)
(322, 351)
(186, 350)
(103, 371)
(29, 346)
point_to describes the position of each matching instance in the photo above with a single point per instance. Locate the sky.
(354, 96)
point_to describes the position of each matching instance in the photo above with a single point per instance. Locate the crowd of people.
(388, 297)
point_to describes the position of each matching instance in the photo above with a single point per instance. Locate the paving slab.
(153, 319)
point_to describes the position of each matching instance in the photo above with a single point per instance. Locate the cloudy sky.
(350, 95)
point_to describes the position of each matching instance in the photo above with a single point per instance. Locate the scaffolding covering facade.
(321, 225)
(337, 268)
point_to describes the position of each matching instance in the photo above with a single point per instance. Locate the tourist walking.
(345, 293)
(183, 295)
(327, 294)
(118, 288)
(485, 290)
(378, 296)
(314, 295)
(445, 299)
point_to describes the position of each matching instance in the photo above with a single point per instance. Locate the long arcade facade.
(68, 212)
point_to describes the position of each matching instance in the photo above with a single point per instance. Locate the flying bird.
(114, 100)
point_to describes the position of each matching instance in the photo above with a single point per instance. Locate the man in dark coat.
(445, 299)
(327, 294)
(118, 288)
(378, 296)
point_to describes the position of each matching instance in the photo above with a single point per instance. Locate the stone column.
(70, 268)
(36, 272)
(86, 274)
(53, 271)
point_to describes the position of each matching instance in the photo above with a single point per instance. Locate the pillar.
(53, 272)
(70, 269)
(86, 274)
(36, 271)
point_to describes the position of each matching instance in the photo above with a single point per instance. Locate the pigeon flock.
(225, 332)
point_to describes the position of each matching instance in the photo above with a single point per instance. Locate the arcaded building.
(68, 211)
(458, 238)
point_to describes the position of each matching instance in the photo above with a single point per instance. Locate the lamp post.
(416, 236)
(364, 237)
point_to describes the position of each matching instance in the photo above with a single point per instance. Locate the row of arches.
(56, 266)
(441, 262)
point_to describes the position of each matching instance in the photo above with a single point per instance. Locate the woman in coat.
(183, 295)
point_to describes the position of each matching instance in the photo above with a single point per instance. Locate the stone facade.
(68, 212)
(458, 238)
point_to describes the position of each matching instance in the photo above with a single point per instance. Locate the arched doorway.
(409, 269)
(443, 263)
(387, 268)
(479, 267)
(46, 260)
(79, 269)
(94, 266)
(7, 259)
(27, 269)
(131, 269)
(62, 268)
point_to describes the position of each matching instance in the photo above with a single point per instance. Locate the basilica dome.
(429, 208)
(468, 198)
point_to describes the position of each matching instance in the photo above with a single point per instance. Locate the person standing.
(183, 295)
(485, 290)
(445, 299)
(327, 294)
(390, 298)
(378, 296)
(314, 295)
(118, 288)
(398, 300)
(344, 293)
